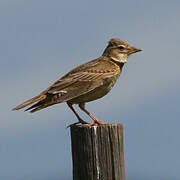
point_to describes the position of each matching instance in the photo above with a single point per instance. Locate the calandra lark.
(87, 82)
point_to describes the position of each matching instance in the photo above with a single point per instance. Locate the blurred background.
(41, 40)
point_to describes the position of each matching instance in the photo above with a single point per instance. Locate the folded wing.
(77, 82)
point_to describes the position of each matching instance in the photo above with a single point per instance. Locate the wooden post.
(98, 152)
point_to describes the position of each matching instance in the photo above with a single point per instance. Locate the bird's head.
(119, 50)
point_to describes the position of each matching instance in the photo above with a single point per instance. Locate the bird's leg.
(96, 121)
(76, 114)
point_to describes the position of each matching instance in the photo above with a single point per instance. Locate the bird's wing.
(77, 82)
(81, 80)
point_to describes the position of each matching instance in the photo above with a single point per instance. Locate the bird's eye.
(121, 47)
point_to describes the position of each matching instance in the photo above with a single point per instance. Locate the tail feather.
(30, 101)
(35, 105)
(48, 101)
(37, 108)
(40, 105)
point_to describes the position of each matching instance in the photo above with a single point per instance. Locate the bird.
(87, 82)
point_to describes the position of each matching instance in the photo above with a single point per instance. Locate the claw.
(97, 123)
(80, 121)
(73, 124)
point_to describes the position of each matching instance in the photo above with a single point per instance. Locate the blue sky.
(41, 40)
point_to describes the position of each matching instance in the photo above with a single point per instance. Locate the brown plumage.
(87, 82)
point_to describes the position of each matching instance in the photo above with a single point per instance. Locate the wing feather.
(82, 80)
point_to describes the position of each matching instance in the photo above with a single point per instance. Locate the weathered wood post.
(98, 152)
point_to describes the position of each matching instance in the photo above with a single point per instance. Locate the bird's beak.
(134, 50)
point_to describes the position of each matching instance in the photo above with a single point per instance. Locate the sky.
(41, 40)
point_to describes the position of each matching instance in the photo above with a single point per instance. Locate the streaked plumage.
(87, 82)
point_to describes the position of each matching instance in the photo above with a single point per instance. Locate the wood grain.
(98, 152)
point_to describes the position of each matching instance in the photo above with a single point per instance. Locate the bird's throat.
(120, 64)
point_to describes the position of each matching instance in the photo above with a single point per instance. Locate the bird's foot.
(79, 122)
(95, 123)
(74, 124)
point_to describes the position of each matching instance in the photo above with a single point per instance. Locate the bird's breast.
(95, 93)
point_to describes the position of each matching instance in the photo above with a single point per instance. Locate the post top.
(98, 127)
